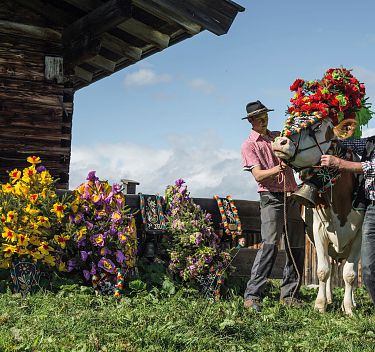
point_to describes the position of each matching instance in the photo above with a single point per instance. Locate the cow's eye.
(317, 127)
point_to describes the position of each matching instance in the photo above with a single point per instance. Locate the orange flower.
(34, 160)
(31, 171)
(9, 235)
(61, 240)
(33, 198)
(58, 209)
(44, 248)
(23, 240)
(12, 216)
(8, 250)
(43, 221)
(7, 188)
(15, 175)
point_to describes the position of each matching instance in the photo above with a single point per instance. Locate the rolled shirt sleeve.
(249, 157)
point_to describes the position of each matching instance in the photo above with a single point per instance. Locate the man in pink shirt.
(271, 174)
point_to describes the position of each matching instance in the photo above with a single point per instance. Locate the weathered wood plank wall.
(35, 113)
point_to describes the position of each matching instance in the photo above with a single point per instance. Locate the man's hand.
(281, 167)
(330, 161)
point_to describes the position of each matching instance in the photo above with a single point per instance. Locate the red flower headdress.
(338, 95)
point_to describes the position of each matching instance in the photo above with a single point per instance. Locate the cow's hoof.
(320, 309)
(320, 306)
(347, 310)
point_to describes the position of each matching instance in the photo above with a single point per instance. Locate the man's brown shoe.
(253, 303)
(292, 302)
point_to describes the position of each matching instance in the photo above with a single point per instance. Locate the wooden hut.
(50, 49)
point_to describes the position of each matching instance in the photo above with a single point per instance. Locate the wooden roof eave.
(86, 78)
(102, 37)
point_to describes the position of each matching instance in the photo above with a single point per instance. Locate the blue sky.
(178, 113)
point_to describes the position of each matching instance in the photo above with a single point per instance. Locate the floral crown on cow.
(338, 95)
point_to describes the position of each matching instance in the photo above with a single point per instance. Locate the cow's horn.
(306, 195)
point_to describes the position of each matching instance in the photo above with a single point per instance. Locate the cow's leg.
(329, 285)
(350, 272)
(323, 270)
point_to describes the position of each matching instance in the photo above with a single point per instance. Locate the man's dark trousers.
(272, 229)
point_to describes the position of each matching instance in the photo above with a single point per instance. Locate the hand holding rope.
(281, 176)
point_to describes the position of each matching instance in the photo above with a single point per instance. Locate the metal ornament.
(25, 276)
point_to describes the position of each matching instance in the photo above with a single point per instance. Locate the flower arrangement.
(31, 218)
(338, 95)
(194, 246)
(103, 229)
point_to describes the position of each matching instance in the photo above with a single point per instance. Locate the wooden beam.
(48, 11)
(131, 26)
(102, 63)
(167, 15)
(83, 74)
(120, 47)
(145, 33)
(26, 30)
(79, 51)
(85, 5)
(213, 15)
(99, 20)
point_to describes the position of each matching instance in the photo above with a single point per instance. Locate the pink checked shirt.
(257, 151)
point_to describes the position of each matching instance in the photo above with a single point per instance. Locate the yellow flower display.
(31, 216)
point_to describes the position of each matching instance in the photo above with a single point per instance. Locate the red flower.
(298, 83)
(338, 92)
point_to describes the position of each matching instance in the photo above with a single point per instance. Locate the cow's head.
(304, 148)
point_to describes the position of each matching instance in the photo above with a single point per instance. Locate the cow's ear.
(345, 129)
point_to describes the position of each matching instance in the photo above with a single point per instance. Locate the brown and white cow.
(336, 225)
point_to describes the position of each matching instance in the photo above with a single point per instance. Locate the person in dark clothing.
(366, 166)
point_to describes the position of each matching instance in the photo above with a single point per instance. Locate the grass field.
(75, 319)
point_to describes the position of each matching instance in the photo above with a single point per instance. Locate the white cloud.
(202, 85)
(368, 132)
(207, 169)
(145, 77)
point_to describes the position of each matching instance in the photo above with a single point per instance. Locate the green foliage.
(362, 117)
(137, 286)
(78, 320)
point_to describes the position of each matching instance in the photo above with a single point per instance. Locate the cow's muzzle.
(283, 148)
